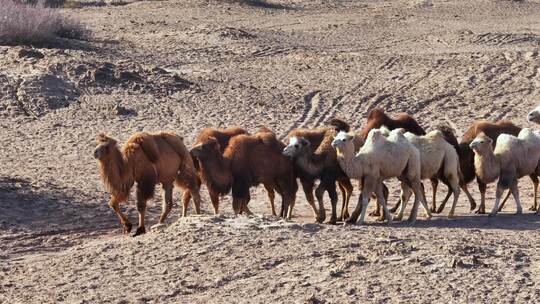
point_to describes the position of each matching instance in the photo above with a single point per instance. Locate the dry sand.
(185, 65)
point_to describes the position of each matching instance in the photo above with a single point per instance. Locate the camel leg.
(419, 197)
(291, 201)
(445, 200)
(504, 200)
(515, 194)
(271, 198)
(166, 204)
(240, 190)
(360, 211)
(379, 192)
(434, 185)
(245, 202)
(498, 194)
(346, 189)
(141, 208)
(214, 198)
(319, 194)
(307, 186)
(455, 191)
(405, 195)
(482, 187)
(377, 211)
(114, 204)
(237, 205)
(472, 202)
(534, 179)
(331, 188)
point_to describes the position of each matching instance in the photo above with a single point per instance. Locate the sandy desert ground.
(188, 64)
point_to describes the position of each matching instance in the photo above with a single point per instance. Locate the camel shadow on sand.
(505, 221)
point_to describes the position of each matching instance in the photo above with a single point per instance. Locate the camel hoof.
(374, 213)
(380, 219)
(473, 207)
(320, 220)
(492, 214)
(332, 221)
(127, 227)
(533, 208)
(411, 220)
(157, 226)
(519, 212)
(398, 218)
(350, 222)
(139, 231)
(433, 210)
(480, 211)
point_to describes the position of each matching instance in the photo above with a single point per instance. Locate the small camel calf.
(512, 158)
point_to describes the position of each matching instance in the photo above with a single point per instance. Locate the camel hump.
(146, 143)
(385, 130)
(506, 142)
(375, 113)
(435, 134)
(176, 142)
(269, 138)
(264, 129)
(340, 125)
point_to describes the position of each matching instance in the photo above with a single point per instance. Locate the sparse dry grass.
(35, 24)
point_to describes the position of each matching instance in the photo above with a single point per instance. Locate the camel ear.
(212, 141)
(102, 138)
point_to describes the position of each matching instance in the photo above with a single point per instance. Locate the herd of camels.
(232, 160)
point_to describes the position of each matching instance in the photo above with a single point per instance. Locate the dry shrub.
(35, 24)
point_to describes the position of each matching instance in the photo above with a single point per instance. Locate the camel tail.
(340, 124)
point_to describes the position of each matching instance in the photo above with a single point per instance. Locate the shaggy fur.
(222, 136)
(315, 159)
(438, 158)
(491, 130)
(248, 161)
(381, 158)
(146, 159)
(512, 158)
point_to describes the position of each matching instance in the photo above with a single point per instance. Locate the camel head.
(534, 115)
(105, 146)
(344, 142)
(482, 143)
(296, 146)
(206, 149)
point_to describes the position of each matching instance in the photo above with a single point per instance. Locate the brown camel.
(223, 137)
(146, 159)
(247, 161)
(315, 159)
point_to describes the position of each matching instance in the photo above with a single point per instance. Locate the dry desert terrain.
(182, 65)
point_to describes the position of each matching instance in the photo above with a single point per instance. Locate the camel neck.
(217, 174)
(309, 163)
(487, 166)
